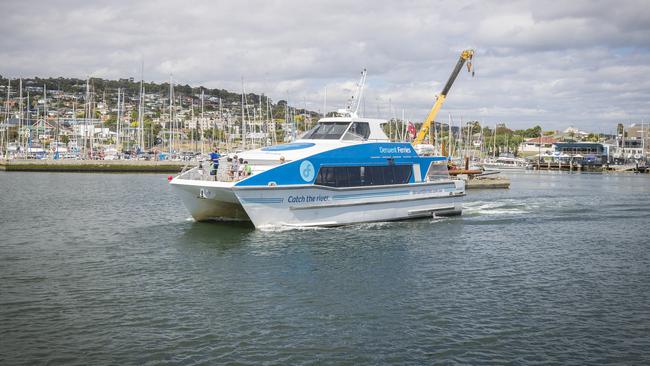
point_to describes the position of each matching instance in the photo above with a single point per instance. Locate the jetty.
(92, 166)
(488, 182)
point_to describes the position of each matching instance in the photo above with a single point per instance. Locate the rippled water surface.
(110, 269)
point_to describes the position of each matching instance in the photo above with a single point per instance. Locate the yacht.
(505, 162)
(343, 171)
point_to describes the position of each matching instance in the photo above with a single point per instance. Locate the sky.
(553, 63)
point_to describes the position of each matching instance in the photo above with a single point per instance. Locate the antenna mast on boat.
(325, 103)
(356, 98)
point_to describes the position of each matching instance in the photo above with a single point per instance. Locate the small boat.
(505, 162)
(343, 171)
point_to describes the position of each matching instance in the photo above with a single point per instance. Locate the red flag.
(411, 130)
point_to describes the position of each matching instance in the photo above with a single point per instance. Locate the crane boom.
(466, 55)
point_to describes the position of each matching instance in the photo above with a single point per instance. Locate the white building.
(533, 144)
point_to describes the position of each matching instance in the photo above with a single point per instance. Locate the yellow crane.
(465, 56)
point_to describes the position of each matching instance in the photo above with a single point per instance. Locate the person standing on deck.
(214, 157)
(240, 169)
(235, 168)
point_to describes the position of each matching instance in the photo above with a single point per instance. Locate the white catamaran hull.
(210, 201)
(304, 206)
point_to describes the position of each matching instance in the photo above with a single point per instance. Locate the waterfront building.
(631, 144)
(586, 153)
(533, 144)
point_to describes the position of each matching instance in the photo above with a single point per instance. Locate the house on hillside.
(573, 133)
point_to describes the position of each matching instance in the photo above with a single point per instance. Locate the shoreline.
(92, 166)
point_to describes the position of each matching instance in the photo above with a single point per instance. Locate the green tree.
(194, 134)
(208, 134)
(111, 123)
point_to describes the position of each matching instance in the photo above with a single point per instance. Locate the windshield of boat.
(327, 131)
(358, 131)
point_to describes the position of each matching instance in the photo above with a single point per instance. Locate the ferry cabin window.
(358, 176)
(357, 131)
(327, 131)
(438, 170)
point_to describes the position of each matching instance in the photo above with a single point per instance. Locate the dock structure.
(93, 166)
(565, 166)
(575, 167)
(634, 168)
(491, 182)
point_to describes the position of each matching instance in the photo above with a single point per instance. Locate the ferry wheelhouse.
(343, 171)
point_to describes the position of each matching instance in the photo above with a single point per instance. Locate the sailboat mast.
(85, 129)
(117, 120)
(171, 115)
(403, 137)
(643, 139)
(435, 136)
(243, 121)
(214, 124)
(449, 137)
(20, 116)
(192, 145)
(124, 135)
(269, 112)
(91, 107)
(494, 143)
(202, 120)
(24, 143)
(5, 131)
(261, 121)
(141, 109)
(142, 131)
(468, 139)
(44, 114)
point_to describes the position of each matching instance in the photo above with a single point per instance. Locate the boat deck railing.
(205, 172)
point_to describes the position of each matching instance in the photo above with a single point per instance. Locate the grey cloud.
(581, 62)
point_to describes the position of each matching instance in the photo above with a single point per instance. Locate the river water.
(110, 269)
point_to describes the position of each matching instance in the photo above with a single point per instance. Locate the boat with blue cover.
(343, 171)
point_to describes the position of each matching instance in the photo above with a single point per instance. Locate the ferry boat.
(343, 171)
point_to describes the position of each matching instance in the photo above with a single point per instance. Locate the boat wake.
(508, 207)
(283, 228)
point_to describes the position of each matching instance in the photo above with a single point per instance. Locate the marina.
(92, 166)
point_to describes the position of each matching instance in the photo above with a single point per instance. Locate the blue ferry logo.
(307, 171)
